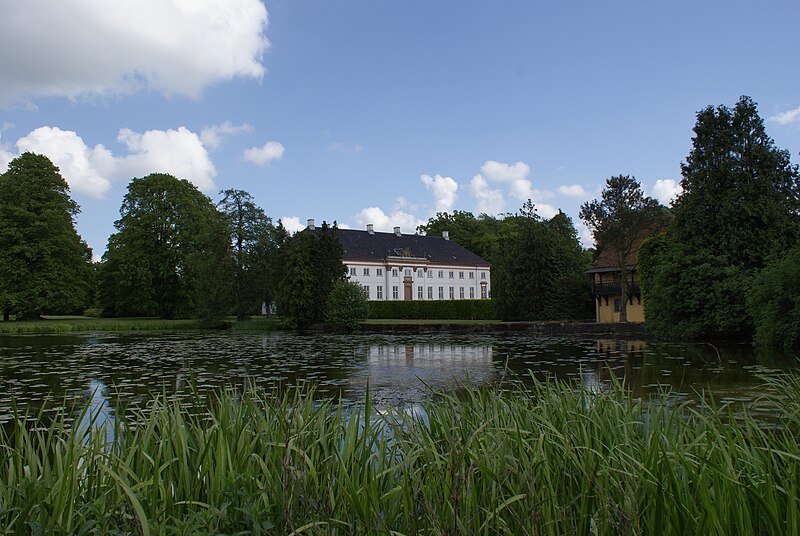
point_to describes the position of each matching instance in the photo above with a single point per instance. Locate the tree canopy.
(152, 266)
(44, 264)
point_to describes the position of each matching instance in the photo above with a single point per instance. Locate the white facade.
(390, 280)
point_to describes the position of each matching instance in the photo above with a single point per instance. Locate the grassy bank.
(59, 324)
(546, 460)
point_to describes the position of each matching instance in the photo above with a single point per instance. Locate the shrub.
(347, 306)
(774, 302)
(434, 310)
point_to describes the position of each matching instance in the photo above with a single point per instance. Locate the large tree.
(153, 263)
(312, 264)
(44, 264)
(477, 234)
(619, 220)
(538, 274)
(250, 231)
(738, 210)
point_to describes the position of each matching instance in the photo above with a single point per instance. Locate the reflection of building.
(396, 266)
(606, 280)
(450, 357)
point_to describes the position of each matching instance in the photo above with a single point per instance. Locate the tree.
(477, 234)
(347, 306)
(739, 209)
(774, 303)
(312, 264)
(44, 264)
(618, 221)
(151, 264)
(539, 271)
(249, 229)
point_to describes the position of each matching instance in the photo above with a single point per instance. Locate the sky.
(384, 112)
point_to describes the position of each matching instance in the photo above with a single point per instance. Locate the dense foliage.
(347, 306)
(738, 210)
(433, 310)
(311, 266)
(169, 252)
(774, 302)
(537, 265)
(551, 459)
(44, 264)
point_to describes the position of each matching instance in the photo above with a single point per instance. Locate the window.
(472, 275)
(430, 293)
(451, 275)
(617, 305)
(394, 272)
(408, 272)
(352, 270)
(483, 292)
(366, 291)
(441, 274)
(419, 293)
(419, 273)
(366, 271)
(471, 293)
(461, 293)
(452, 293)
(379, 292)
(483, 275)
(395, 293)
(441, 293)
(461, 275)
(430, 274)
(379, 272)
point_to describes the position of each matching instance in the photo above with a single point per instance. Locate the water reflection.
(399, 369)
(96, 413)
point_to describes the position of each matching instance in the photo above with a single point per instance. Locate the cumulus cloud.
(666, 190)
(490, 201)
(386, 222)
(444, 191)
(787, 117)
(91, 170)
(212, 136)
(261, 156)
(292, 224)
(95, 47)
(573, 190)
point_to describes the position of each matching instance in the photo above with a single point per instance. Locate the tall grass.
(58, 324)
(544, 460)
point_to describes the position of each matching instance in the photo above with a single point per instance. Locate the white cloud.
(177, 152)
(338, 146)
(212, 136)
(75, 48)
(666, 190)
(385, 223)
(444, 191)
(91, 170)
(787, 117)
(585, 235)
(545, 211)
(292, 224)
(85, 169)
(573, 190)
(515, 176)
(261, 156)
(489, 201)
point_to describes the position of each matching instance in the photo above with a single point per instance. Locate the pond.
(77, 369)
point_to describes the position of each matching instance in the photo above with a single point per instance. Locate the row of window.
(420, 273)
(420, 293)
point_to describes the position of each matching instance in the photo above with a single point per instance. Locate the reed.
(545, 459)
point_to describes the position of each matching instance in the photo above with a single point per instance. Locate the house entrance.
(407, 288)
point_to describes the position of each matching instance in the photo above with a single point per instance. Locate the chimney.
(311, 224)
(446, 235)
(370, 229)
(397, 231)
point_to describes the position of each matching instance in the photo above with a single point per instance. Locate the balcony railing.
(611, 288)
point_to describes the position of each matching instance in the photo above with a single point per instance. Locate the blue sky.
(371, 111)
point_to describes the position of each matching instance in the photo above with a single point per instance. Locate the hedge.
(434, 310)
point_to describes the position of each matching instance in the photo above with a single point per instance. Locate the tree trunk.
(623, 310)
(6, 315)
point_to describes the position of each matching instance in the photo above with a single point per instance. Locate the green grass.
(58, 324)
(544, 460)
(428, 322)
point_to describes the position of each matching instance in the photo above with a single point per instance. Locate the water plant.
(542, 459)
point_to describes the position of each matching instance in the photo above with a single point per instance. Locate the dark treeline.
(722, 262)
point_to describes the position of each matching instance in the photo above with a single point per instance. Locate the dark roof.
(361, 245)
(606, 261)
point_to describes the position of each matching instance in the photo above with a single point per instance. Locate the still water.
(96, 369)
